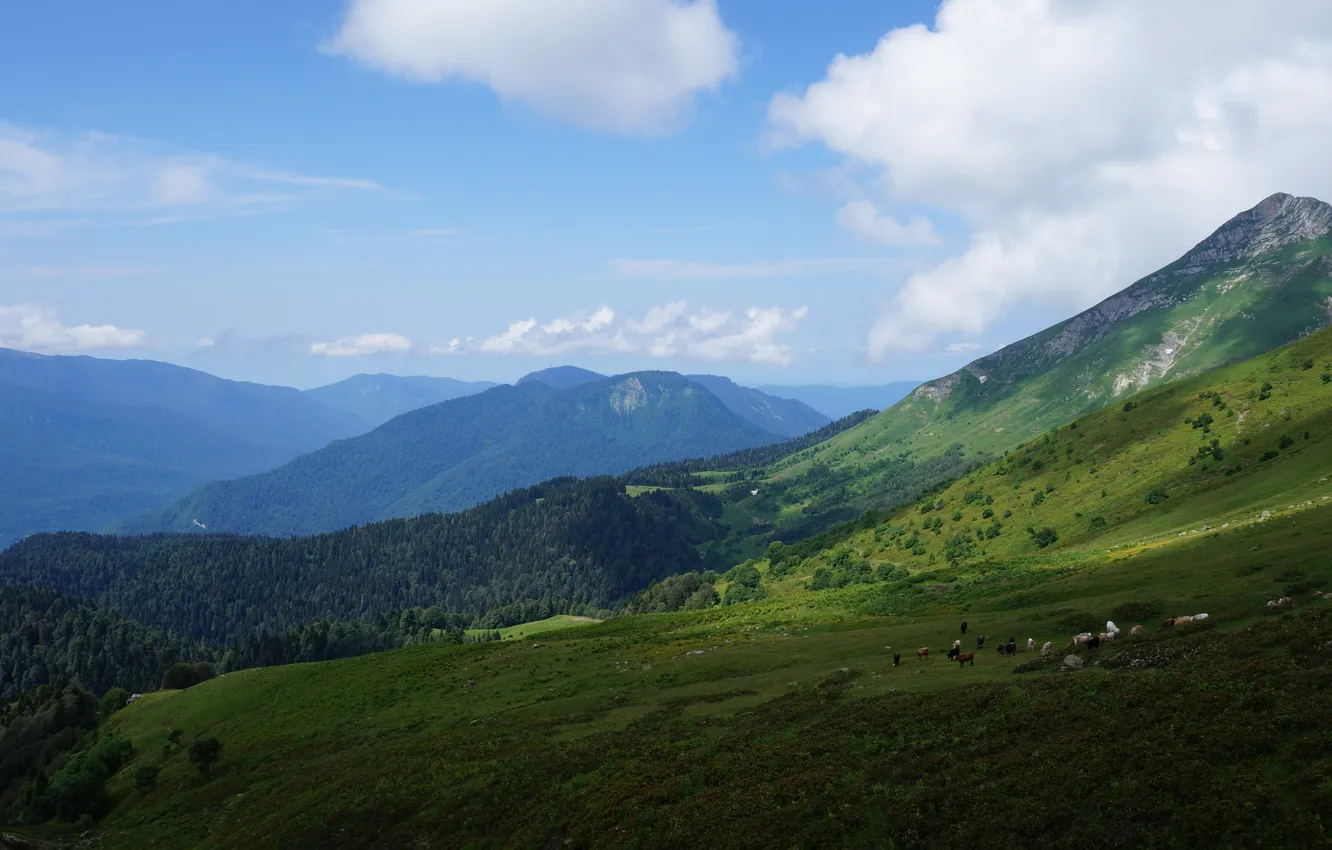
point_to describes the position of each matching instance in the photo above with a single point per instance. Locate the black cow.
(980, 642)
(964, 627)
(897, 658)
(1094, 642)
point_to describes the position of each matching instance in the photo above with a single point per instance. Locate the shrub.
(1130, 405)
(1045, 537)
(1327, 377)
(959, 547)
(145, 778)
(1157, 495)
(822, 579)
(1268, 455)
(1285, 442)
(888, 572)
(204, 753)
(987, 513)
(1136, 611)
(1098, 523)
(114, 701)
(1307, 364)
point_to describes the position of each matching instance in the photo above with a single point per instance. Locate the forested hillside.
(45, 636)
(782, 416)
(574, 546)
(84, 442)
(376, 399)
(454, 455)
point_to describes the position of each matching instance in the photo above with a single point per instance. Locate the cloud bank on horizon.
(1084, 144)
(673, 330)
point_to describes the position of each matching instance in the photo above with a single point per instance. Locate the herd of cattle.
(1085, 639)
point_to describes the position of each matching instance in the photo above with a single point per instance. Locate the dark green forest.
(568, 546)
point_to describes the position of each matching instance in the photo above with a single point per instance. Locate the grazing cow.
(1031, 644)
(980, 642)
(922, 652)
(964, 627)
(954, 652)
(897, 658)
(964, 658)
(1197, 617)
(1183, 621)
(1318, 594)
(1111, 628)
(1094, 642)
(1135, 631)
(1170, 624)
(1012, 646)
(957, 644)
(1001, 647)
(1079, 640)
(1049, 645)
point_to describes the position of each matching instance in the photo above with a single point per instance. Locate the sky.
(849, 192)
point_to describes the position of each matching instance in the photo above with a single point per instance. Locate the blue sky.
(294, 192)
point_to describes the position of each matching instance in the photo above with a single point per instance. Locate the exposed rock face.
(628, 396)
(1278, 221)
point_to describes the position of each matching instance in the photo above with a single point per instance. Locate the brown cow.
(922, 652)
(965, 657)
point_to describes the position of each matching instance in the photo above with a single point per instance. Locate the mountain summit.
(1261, 280)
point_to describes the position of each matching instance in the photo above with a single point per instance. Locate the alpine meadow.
(444, 424)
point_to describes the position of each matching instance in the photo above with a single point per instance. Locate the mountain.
(837, 402)
(85, 441)
(561, 377)
(378, 398)
(1261, 280)
(1206, 453)
(459, 453)
(783, 417)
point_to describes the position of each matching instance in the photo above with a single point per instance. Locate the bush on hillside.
(114, 701)
(1157, 495)
(1045, 537)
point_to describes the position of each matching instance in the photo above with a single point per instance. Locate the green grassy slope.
(1260, 281)
(1216, 449)
(783, 723)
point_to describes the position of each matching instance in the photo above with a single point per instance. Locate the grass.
(784, 723)
(550, 624)
(1092, 481)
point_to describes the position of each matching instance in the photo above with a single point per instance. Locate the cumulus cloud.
(962, 347)
(674, 330)
(622, 65)
(865, 220)
(690, 270)
(43, 172)
(357, 346)
(1083, 144)
(27, 327)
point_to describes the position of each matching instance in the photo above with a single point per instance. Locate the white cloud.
(29, 328)
(43, 172)
(864, 219)
(206, 343)
(622, 65)
(962, 347)
(689, 270)
(362, 345)
(1084, 144)
(673, 330)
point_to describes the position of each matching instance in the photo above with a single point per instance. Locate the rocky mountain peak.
(1277, 221)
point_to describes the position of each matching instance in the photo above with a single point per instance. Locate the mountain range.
(85, 441)
(375, 399)
(842, 401)
(459, 453)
